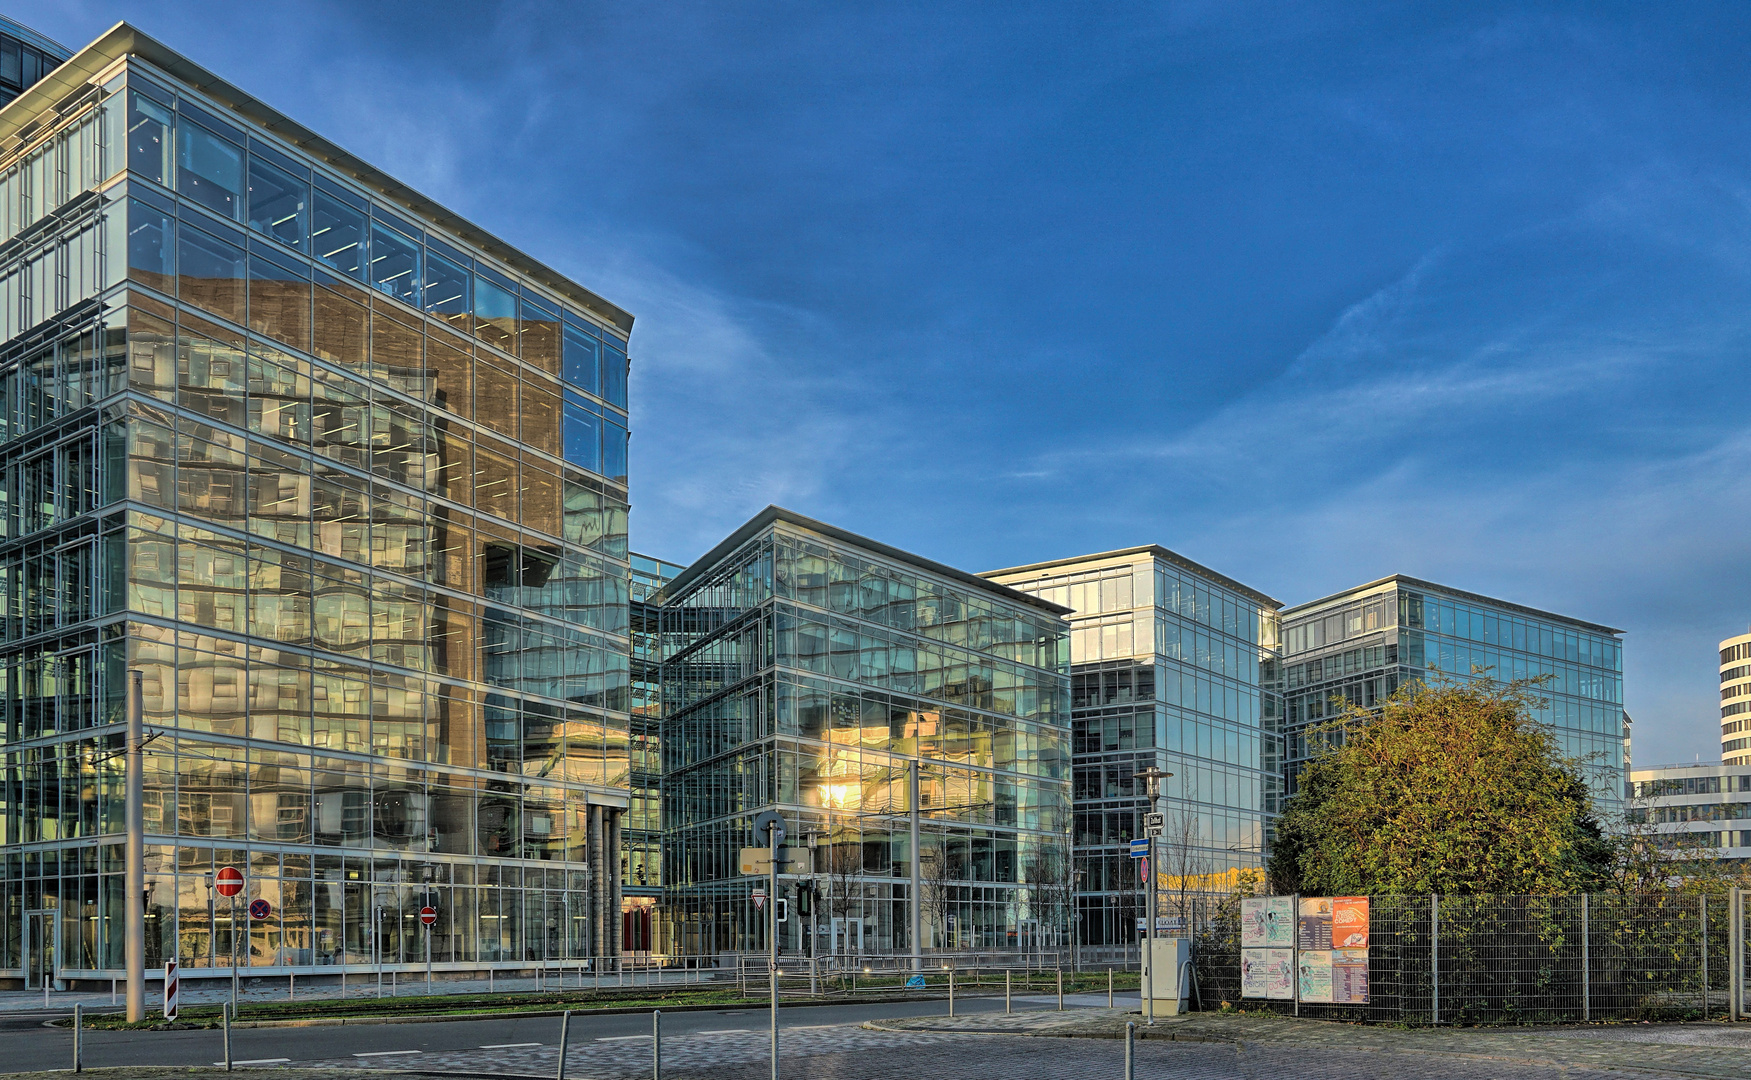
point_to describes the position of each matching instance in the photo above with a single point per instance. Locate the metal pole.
(134, 857)
(1109, 988)
(1006, 1005)
(565, 1032)
(917, 873)
(775, 839)
(234, 953)
(656, 1044)
(1295, 949)
(1702, 913)
(951, 991)
(1736, 954)
(78, 1023)
(1586, 961)
(225, 1008)
(1060, 989)
(1149, 932)
(1434, 959)
(1130, 1050)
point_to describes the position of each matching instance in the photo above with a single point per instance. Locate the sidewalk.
(1711, 1050)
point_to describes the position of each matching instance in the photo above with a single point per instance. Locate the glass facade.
(642, 840)
(25, 57)
(810, 670)
(1174, 665)
(345, 479)
(1358, 647)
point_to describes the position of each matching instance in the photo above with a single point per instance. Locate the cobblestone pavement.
(1251, 1048)
(1699, 1050)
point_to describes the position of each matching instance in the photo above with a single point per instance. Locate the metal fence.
(1510, 959)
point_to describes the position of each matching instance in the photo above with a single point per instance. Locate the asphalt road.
(26, 1045)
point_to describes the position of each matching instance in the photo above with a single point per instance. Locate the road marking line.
(387, 1053)
(257, 1061)
(724, 1031)
(509, 1046)
(620, 1038)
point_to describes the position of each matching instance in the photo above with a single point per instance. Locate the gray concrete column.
(614, 878)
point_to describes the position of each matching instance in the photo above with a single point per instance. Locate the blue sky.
(1310, 293)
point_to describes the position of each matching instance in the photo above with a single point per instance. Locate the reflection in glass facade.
(1358, 647)
(1174, 665)
(344, 477)
(807, 668)
(642, 839)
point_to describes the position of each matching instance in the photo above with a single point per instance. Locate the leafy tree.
(1452, 788)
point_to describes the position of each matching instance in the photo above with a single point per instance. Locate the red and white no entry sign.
(229, 881)
(428, 915)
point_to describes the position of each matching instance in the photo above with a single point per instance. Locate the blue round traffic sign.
(260, 909)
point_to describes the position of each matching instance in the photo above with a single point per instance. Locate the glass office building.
(25, 57)
(344, 477)
(1359, 646)
(810, 670)
(1173, 665)
(642, 838)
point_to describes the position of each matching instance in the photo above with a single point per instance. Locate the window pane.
(209, 170)
(149, 138)
(395, 264)
(337, 235)
(151, 246)
(211, 274)
(279, 203)
(613, 375)
(449, 292)
(451, 375)
(613, 451)
(279, 302)
(495, 314)
(583, 437)
(539, 334)
(581, 361)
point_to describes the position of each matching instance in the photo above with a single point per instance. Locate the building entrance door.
(847, 936)
(40, 932)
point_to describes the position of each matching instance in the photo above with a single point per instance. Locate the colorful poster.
(1279, 921)
(1315, 922)
(1349, 976)
(1349, 922)
(1280, 974)
(1254, 965)
(1255, 932)
(1316, 975)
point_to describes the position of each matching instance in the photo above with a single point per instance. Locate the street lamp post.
(1152, 778)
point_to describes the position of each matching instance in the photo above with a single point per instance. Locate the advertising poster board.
(1254, 923)
(1279, 922)
(1316, 974)
(1280, 974)
(1254, 964)
(1315, 923)
(1349, 976)
(1349, 922)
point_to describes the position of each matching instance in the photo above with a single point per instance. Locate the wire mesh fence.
(1508, 959)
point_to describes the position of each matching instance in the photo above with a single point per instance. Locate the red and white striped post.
(170, 990)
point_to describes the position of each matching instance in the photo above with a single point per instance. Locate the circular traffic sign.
(260, 909)
(428, 915)
(229, 881)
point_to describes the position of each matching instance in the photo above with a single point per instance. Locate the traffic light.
(805, 899)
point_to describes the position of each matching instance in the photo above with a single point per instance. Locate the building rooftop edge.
(773, 514)
(1159, 552)
(123, 40)
(1633, 769)
(1450, 590)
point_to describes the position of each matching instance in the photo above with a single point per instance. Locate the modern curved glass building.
(344, 476)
